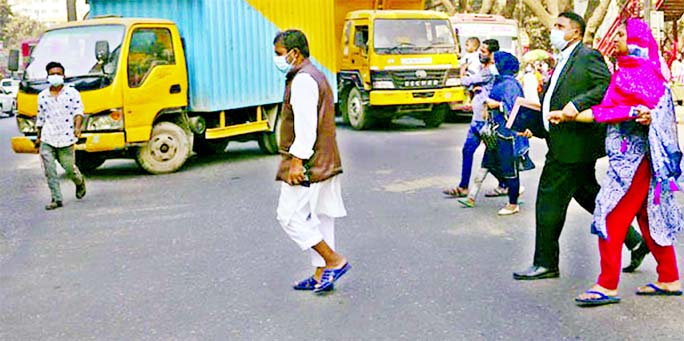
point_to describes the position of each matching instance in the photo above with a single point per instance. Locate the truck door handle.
(176, 88)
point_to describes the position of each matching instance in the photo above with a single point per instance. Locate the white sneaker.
(509, 210)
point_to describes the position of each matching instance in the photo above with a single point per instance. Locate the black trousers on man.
(560, 183)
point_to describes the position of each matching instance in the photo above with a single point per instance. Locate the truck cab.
(132, 78)
(396, 63)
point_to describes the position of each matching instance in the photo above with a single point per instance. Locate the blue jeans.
(471, 143)
(473, 140)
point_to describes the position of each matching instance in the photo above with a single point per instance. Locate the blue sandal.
(594, 302)
(330, 276)
(306, 284)
(657, 291)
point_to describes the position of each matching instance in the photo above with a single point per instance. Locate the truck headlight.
(453, 81)
(107, 120)
(27, 125)
(452, 77)
(383, 85)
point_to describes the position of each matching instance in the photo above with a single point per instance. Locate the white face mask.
(281, 63)
(55, 80)
(528, 68)
(558, 39)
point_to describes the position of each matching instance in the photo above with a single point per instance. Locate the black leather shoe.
(638, 255)
(536, 272)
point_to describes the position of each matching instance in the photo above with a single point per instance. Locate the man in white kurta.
(310, 194)
(308, 213)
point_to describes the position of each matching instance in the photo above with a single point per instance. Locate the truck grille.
(418, 79)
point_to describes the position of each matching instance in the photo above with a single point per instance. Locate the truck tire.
(203, 146)
(357, 114)
(88, 162)
(435, 118)
(343, 107)
(269, 141)
(166, 151)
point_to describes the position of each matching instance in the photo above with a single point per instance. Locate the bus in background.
(484, 26)
(488, 27)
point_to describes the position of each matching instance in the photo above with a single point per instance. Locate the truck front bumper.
(89, 142)
(409, 97)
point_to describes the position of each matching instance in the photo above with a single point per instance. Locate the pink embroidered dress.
(639, 82)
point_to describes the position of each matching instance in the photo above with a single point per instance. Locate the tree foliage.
(5, 17)
(21, 28)
(16, 28)
(535, 17)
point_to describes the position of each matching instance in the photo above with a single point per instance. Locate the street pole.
(647, 12)
(71, 10)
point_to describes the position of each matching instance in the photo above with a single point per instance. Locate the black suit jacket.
(583, 81)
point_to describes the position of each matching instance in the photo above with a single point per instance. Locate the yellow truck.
(397, 63)
(159, 80)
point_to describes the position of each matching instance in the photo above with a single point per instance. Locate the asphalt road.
(199, 255)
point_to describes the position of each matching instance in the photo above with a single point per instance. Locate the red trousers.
(633, 204)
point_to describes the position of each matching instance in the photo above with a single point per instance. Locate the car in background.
(8, 102)
(10, 85)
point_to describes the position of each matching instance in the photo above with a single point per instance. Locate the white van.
(10, 85)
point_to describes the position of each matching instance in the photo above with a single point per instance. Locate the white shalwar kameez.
(307, 214)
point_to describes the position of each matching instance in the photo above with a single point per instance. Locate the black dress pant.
(559, 183)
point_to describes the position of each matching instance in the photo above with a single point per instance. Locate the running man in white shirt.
(60, 115)
(310, 193)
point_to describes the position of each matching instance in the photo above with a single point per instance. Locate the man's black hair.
(293, 39)
(492, 45)
(577, 19)
(52, 65)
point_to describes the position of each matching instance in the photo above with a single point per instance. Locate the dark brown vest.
(325, 161)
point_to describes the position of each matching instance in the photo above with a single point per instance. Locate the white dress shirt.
(546, 105)
(56, 116)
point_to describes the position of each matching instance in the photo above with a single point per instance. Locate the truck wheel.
(358, 114)
(166, 151)
(203, 146)
(435, 118)
(343, 106)
(88, 162)
(269, 141)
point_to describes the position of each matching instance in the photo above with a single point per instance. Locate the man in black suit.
(579, 81)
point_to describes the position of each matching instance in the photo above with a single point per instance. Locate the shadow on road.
(239, 152)
(124, 168)
(400, 125)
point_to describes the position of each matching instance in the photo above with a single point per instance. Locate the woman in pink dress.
(644, 163)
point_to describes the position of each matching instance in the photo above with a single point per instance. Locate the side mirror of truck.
(102, 51)
(13, 61)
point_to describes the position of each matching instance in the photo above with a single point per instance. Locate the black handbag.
(488, 133)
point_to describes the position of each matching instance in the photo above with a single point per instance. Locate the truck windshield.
(506, 35)
(413, 36)
(74, 48)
